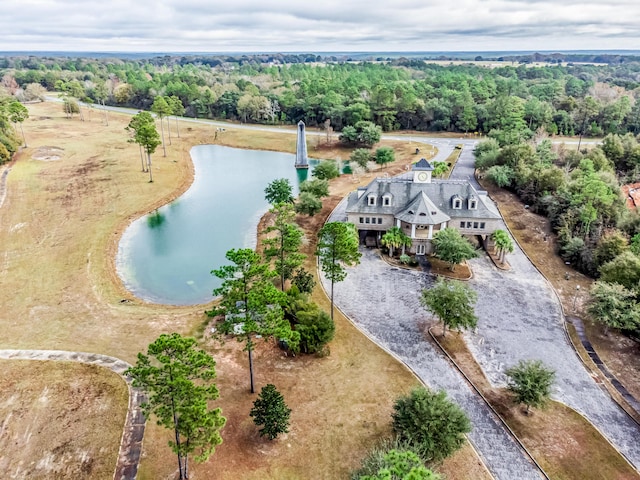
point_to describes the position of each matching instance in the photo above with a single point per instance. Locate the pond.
(166, 256)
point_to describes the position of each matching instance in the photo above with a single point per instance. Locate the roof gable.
(422, 211)
(422, 165)
(404, 192)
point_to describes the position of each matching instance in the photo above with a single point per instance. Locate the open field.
(69, 196)
(60, 420)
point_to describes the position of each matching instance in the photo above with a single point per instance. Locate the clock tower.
(422, 171)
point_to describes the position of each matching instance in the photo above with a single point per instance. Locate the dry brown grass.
(54, 417)
(61, 223)
(563, 442)
(620, 354)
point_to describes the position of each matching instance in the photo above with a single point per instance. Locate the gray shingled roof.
(422, 165)
(422, 211)
(403, 192)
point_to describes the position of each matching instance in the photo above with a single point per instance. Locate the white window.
(457, 203)
(462, 224)
(481, 224)
(372, 199)
(386, 200)
(473, 203)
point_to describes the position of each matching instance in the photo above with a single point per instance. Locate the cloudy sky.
(318, 25)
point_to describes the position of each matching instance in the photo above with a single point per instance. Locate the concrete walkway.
(133, 432)
(384, 303)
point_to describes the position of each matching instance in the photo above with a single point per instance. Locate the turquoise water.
(166, 256)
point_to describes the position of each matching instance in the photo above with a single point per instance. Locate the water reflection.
(166, 256)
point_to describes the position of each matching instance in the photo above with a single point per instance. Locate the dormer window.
(371, 200)
(473, 203)
(457, 202)
(386, 199)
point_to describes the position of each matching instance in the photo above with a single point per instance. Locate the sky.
(318, 25)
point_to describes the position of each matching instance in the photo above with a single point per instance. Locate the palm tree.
(405, 241)
(392, 239)
(503, 243)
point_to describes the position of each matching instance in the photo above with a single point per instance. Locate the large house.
(421, 207)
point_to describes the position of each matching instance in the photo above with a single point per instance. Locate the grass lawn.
(69, 197)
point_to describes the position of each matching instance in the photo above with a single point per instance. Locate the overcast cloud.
(320, 25)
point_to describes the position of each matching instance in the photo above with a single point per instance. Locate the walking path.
(4, 172)
(133, 432)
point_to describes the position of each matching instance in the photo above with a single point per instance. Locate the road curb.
(133, 429)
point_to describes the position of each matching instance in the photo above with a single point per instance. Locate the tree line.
(12, 115)
(402, 94)
(579, 191)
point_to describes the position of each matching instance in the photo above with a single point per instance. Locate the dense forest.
(516, 104)
(579, 191)
(401, 93)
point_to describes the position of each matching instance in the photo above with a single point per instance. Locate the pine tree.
(270, 411)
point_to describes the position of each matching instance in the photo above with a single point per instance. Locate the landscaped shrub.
(393, 460)
(430, 423)
(315, 326)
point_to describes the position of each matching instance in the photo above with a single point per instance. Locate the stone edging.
(133, 430)
(3, 183)
(570, 340)
(578, 325)
(477, 390)
(606, 384)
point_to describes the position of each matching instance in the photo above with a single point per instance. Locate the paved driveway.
(384, 303)
(519, 318)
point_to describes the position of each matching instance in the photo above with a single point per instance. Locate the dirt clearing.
(53, 420)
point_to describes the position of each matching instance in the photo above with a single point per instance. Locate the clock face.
(422, 176)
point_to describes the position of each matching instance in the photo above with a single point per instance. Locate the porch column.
(443, 225)
(430, 236)
(398, 222)
(413, 230)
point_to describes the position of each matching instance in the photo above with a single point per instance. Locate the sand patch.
(48, 154)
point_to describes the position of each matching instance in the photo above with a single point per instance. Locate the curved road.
(133, 432)
(519, 318)
(383, 302)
